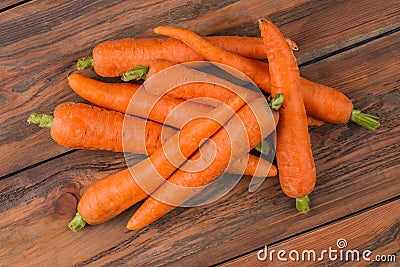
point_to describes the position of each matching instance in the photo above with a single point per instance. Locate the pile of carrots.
(172, 139)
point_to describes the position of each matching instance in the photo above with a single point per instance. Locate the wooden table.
(350, 45)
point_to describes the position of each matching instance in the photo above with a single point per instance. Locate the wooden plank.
(365, 231)
(36, 59)
(5, 4)
(318, 27)
(356, 169)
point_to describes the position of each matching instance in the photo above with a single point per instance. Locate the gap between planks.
(307, 63)
(12, 4)
(331, 223)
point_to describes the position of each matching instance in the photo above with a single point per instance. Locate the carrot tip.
(303, 204)
(43, 120)
(368, 121)
(138, 73)
(85, 63)
(263, 20)
(77, 223)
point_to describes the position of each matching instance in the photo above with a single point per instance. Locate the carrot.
(321, 102)
(205, 85)
(82, 126)
(297, 173)
(313, 122)
(117, 96)
(113, 58)
(151, 172)
(255, 130)
(192, 91)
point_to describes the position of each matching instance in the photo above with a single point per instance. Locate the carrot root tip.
(303, 204)
(85, 63)
(43, 120)
(276, 102)
(263, 20)
(365, 120)
(138, 73)
(77, 223)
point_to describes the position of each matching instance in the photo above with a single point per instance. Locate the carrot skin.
(100, 202)
(110, 196)
(153, 171)
(297, 173)
(207, 88)
(113, 58)
(152, 208)
(82, 126)
(203, 90)
(313, 122)
(255, 166)
(143, 137)
(118, 97)
(318, 99)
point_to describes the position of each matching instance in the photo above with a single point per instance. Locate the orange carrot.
(255, 131)
(321, 102)
(117, 96)
(297, 174)
(113, 58)
(313, 122)
(152, 171)
(195, 90)
(82, 126)
(206, 85)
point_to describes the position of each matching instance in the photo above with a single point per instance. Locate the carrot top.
(85, 63)
(43, 120)
(138, 73)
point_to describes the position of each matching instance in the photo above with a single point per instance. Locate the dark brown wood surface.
(350, 45)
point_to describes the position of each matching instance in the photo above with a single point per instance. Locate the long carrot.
(192, 91)
(255, 131)
(152, 171)
(113, 58)
(297, 173)
(117, 96)
(201, 84)
(321, 102)
(82, 126)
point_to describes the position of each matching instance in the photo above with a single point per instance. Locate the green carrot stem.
(263, 147)
(77, 223)
(303, 204)
(43, 120)
(368, 121)
(138, 73)
(85, 63)
(277, 101)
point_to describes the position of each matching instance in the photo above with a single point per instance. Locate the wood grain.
(365, 231)
(356, 169)
(8, 4)
(38, 52)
